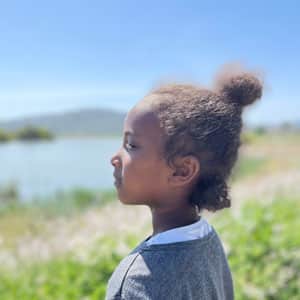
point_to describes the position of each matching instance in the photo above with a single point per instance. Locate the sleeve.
(161, 277)
(139, 287)
(151, 277)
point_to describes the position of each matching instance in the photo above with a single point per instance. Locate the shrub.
(64, 277)
(9, 194)
(33, 133)
(264, 250)
(4, 136)
(248, 166)
(263, 245)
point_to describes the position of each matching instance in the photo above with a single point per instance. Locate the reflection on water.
(41, 168)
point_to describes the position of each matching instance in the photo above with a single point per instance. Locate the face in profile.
(140, 171)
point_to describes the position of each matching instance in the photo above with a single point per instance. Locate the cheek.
(147, 175)
(141, 168)
(137, 171)
(133, 170)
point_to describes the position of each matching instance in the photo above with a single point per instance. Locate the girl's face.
(141, 173)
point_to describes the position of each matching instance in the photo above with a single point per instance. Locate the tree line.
(28, 133)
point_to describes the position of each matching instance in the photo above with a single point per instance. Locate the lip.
(117, 183)
(117, 180)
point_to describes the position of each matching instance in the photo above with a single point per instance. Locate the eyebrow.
(130, 133)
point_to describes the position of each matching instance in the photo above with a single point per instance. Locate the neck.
(168, 218)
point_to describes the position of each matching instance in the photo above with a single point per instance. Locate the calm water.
(42, 168)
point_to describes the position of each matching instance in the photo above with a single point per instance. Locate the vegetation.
(248, 166)
(250, 137)
(33, 133)
(64, 277)
(62, 203)
(4, 136)
(28, 133)
(8, 194)
(18, 218)
(263, 249)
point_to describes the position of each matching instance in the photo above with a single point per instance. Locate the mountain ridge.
(87, 121)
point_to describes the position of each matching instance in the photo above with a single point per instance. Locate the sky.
(57, 56)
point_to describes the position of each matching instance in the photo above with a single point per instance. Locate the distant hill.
(92, 122)
(81, 122)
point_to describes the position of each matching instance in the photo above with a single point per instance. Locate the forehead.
(142, 122)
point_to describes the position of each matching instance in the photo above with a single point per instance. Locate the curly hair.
(207, 124)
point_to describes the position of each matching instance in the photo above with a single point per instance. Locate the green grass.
(59, 204)
(273, 138)
(18, 218)
(264, 249)
(264, 256)
(65, 277)
(248, 166)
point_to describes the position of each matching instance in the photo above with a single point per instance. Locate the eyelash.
(130, 146)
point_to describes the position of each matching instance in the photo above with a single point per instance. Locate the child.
(180, 144)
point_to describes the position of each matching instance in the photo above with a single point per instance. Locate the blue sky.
(65, 55)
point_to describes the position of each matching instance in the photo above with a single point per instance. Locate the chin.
(123, 198)
(128, 200)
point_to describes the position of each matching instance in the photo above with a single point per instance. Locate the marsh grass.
(59, 204)
(19, 219)
(63, 277)
(249, 166)
(262, 244)
(264, 248)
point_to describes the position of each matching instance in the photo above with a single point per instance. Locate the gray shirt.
(194, 269)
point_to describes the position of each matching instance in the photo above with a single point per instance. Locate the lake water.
(42, 168)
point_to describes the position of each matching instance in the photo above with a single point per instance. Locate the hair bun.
(242, 88)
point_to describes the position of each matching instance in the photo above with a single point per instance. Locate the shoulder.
(171, 280)
(147, 280)
(176, 271)
(158, 260)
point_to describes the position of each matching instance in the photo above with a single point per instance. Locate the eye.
(129, 146)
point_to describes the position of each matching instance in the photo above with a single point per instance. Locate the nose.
(115, 160)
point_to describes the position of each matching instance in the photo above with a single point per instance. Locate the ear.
(184, 170)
